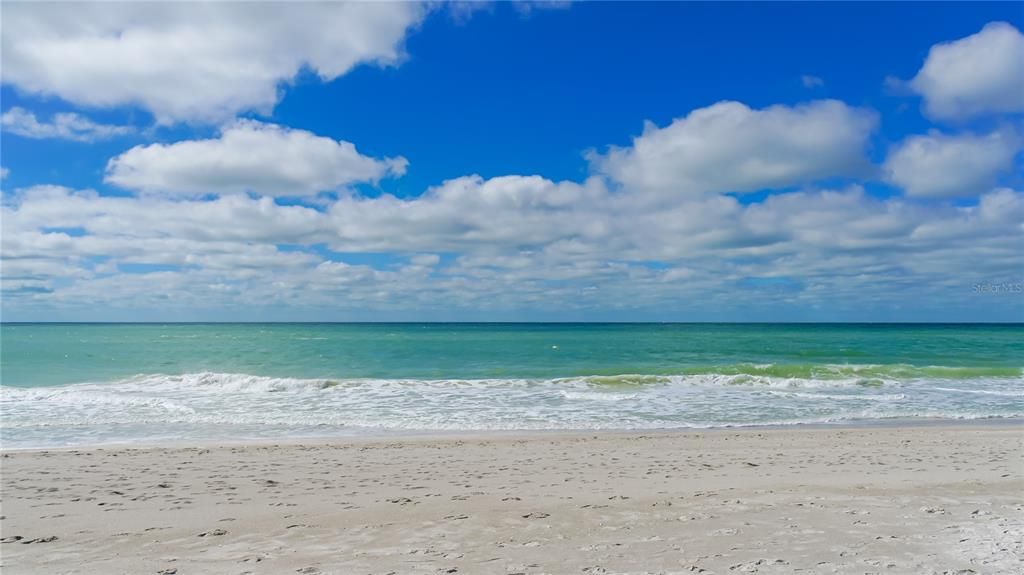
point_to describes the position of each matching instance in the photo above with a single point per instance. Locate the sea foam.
(209, 405)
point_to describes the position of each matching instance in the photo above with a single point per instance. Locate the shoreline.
(411, 436)
(896, 499)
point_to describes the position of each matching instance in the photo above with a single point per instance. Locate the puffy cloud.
(653, 229)
(980, 74)
(729, 147)
(64, 126)
(472, 213)
(938, 166)
(204, 64)
(126, 220)
(249, 156)
(520, 242)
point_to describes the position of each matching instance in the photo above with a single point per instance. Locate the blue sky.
(853, 162)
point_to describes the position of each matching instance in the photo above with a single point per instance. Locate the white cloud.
(729, 147)
(4, 173)
(125, 220)
(980, 74)
(939, 166)
(471, 213)
(810, 81)
(64, 126)
(249, 156)
(520, 242)
(204, 64)
(462, 11)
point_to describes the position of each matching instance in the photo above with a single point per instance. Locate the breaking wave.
(234, 405)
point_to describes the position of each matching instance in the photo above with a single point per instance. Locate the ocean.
(91, 384)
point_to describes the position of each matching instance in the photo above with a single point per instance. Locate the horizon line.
(437, 322)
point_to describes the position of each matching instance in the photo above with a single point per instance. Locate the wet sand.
(922, 499)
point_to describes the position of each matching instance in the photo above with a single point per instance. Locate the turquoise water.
(67, 384)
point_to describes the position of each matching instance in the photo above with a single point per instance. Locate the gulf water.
(84, 384)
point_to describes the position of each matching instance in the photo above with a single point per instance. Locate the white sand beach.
(918, 499)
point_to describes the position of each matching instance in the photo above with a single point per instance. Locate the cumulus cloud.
(63, 126)
(980, 74)
(521, 241)
(654, 227)
(940, 166)
(729, 147)
(461, 215)
(203, 64)
(249, 156)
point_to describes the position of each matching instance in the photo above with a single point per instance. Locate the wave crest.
(226, 405)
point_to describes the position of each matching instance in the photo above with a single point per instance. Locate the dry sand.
(924, 499)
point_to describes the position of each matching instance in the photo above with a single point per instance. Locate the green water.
(53, 354)
(92, 384)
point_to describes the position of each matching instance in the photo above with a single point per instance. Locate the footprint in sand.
(23, 541)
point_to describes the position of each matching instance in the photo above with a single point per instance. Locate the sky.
(528, 161)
